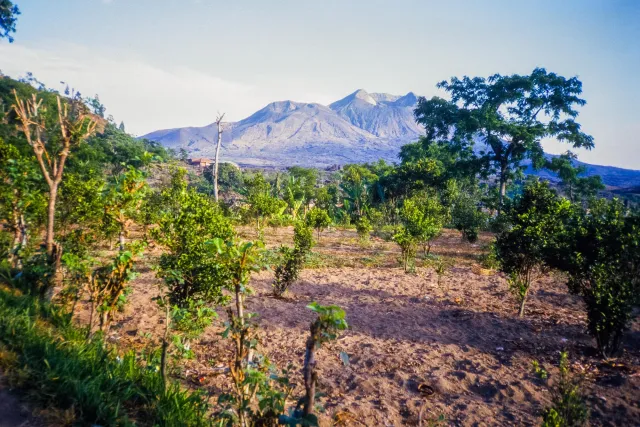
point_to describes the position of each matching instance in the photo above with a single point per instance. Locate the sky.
(158, 64)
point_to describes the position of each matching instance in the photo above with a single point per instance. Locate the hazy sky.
(168, 63)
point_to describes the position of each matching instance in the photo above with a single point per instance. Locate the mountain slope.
(361, 127)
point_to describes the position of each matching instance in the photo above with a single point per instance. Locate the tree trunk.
(51, 217)
(215, 164)
(309, 371)
(522, 303)
(121, 240)
(165, 346)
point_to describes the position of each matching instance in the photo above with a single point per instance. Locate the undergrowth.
(43, 353)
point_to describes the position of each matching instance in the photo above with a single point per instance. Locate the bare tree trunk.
(522, 303)
(121, 240)
(51, 217)
(217, 157)
(165, 346)
(309, 371)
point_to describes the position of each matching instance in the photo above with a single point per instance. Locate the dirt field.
(461, 340)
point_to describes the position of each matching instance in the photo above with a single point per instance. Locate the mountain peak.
(363, 95)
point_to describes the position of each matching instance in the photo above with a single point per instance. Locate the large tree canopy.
(8, 18)
(510, 115)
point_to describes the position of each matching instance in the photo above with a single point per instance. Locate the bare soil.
(460, 342)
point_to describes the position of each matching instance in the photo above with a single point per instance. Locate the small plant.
(407, 245)
(489, 259)
(363, 228)
(293, 260)
(108, 286)
(318, 219)
(441, 268)
(539, 371)
(330, 321)
(568, 406)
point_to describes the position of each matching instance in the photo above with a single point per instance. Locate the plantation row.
(79, 182)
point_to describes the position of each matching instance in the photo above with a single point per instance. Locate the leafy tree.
(8, 16)
(52, 145)
(262, 204)
(575, 187)
(307, 179)
(600, 252)
(189, 221)
(81, 202)
(538, 217)
(407, 243)
(466, 215)
(357, 182)
(318, 219)
(363, 228)
(423, 218)
(123, 198)
(229, 177)
(510, 115)
(21, 199)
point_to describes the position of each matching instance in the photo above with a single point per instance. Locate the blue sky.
(168, 63)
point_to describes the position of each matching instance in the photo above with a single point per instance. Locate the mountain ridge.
(361, 127)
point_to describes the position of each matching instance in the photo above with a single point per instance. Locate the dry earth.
(462, 339)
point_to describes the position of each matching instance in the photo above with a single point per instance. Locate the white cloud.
(144, 96)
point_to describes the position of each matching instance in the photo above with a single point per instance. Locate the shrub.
(568, 407)
(407, 245)
(423, 218)
(601, 254)
(293, 260)
(363, 227)
(467, 217)
(537, 219)
(318, 219)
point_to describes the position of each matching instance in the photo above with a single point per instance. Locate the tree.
(318, 219)
(466, 214)
(510, 115)
(217, 156)
(575, 187)
(189, 221)
(52, 146)
(423, 218)
(538, 218)
(21, 199)
(293, 260)
(262, 204)
(356, 183)
(600, 252)
(8, 16)
(123, 199)
(306, 179)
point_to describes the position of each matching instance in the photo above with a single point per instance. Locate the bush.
(537, 219)
(407, 245)
(318, 219)
(601, 254)
(363, 227)
(293, 260)
(467, 217)
(423, 219)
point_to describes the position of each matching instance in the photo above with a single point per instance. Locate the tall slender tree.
(217, 157)
(509, 115)
(52, 146)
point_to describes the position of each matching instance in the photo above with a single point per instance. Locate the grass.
(44, 354)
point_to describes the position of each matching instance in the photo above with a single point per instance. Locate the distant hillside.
(362, 127)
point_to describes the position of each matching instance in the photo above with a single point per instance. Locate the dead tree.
(216, 158)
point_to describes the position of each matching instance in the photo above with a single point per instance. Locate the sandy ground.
(462, 339)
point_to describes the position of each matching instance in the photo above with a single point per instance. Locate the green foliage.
(601, 254)
(288, 271)
(467, 216)
(568, 407)
(319, 219)
(576, 188)
(489, 259)
(407, 243)
(8, 16)
(423, 218)
(188, 267)
(262, 204)
(357, 184)
(537, 218)
(363, 228)
(230, 177)
(539, 371)
(331, 320)
(59, 367)
(505, 113)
